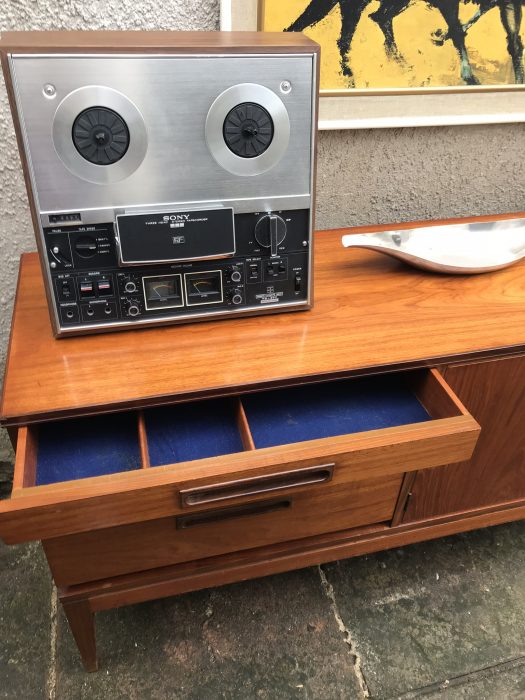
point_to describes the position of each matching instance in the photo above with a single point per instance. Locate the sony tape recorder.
(170, 174)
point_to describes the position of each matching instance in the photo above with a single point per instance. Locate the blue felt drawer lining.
(334, 408)
(191, 431)
(83, 447)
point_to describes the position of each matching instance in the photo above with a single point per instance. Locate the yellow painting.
(407, 43)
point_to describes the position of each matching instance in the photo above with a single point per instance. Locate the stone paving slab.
(6, 479)
(435, 610)
(25, 591)
(270, 638)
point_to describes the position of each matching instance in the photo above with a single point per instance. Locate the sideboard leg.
(82, 623)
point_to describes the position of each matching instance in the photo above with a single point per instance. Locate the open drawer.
(75, 476)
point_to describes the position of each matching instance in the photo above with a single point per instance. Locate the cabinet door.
(494, 393)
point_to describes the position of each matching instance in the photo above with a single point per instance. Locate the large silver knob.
(270, 232)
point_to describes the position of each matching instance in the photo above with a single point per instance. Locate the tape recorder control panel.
(268, 267)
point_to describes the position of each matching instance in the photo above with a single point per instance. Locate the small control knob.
(132, 307)
(235, 276)
(130, 287)
(270, 232)
(237, 297)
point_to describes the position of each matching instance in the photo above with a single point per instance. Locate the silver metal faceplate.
(169, 159)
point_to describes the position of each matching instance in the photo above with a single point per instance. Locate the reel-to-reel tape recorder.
(170, 174)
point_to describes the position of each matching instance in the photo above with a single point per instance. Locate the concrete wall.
(363, 176)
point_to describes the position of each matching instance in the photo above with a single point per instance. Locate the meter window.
(163, 292)
(203, 287)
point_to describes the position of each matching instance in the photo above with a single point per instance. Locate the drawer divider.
(243, 425)
(143, 440)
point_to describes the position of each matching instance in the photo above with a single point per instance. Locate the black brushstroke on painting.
(351, 11)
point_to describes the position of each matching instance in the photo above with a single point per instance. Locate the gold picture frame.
(396, 107)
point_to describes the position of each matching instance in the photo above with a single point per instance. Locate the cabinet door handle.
(184, 522)
(253, 486)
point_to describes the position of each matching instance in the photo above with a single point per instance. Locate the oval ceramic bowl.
(457, 248)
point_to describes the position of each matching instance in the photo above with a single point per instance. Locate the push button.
(86, 288)
(105, 288)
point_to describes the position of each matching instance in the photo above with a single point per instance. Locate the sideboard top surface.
(372, 314)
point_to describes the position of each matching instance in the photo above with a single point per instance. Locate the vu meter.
(163, 292)
(203, 287)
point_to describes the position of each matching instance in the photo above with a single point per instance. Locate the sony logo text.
(176, 217)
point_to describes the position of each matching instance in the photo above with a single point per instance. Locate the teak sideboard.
(155, 462)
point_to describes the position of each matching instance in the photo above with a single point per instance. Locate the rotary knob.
(86, 246)
(132, 307)
(270, 232)
(236, 297)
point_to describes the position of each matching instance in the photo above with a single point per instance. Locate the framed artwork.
(393, 63)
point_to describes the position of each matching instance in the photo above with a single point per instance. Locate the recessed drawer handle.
(216, 516)
(256, 485)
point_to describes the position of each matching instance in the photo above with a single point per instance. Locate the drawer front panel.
(120, 550)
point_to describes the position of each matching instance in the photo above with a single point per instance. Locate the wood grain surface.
(495, 394)
(121, 550)
(285, 556)
(371, 314)
(154, 42)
